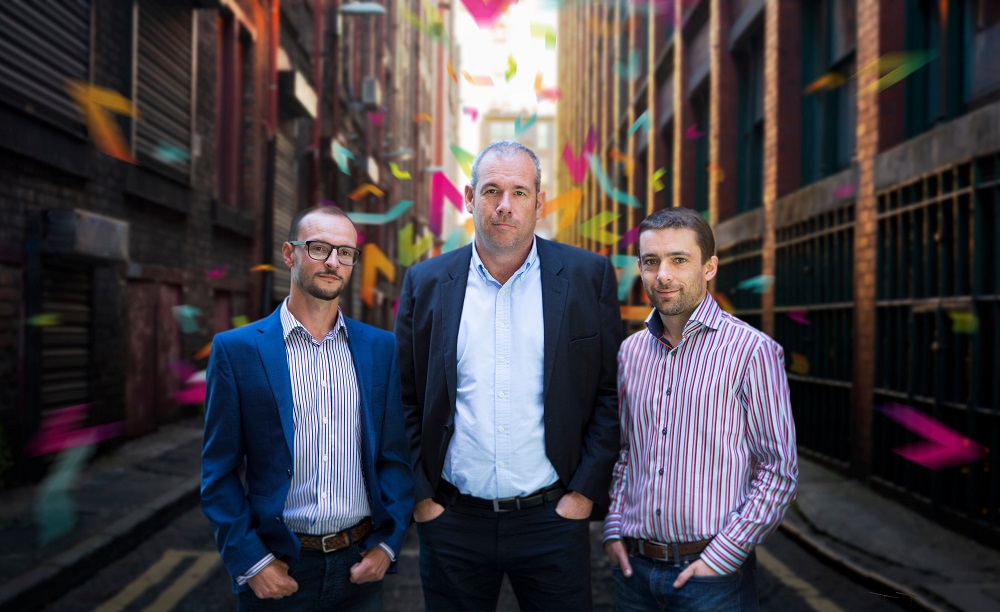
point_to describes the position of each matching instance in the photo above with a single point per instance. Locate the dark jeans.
(324, 584)
(465, 552)
(651, 587)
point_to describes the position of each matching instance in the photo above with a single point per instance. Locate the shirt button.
(289, 472)
(668, 391)
(325, 421)
(661, 471)
(502, 359)
(323, 382)
(277, 519)
(324, 457)
(501, 464)
(664, 431)
(657, 512)
(500, 394)
(324, 497)
(503, 292)
(501, 429)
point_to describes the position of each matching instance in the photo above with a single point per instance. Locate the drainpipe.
(319, 18)
(267, 244)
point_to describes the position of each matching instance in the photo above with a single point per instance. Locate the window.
(700, 106)
(750, 171)
(164, 87)
(829, 113)
(939, 90)
(986, 48)
(235, 72)
(45, 45)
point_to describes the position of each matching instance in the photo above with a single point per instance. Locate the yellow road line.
(813, 598)
(155, 574)
(186, 583)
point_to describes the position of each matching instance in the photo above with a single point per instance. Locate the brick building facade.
(96, 252)
(871, 200)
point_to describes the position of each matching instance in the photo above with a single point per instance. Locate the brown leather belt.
(337, 541)
(664, 552)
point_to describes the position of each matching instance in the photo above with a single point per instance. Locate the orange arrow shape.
(417, 118)
(96, 105)
(478, 81)
(373, 261)
(625, 160)
(365, 189)
(569, 201)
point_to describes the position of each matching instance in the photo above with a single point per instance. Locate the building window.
(235, 71)
(828, 113)
(938, 91)
(700, 105)
(164, 87)
(750, 178)
(985, 50)
(44, 46)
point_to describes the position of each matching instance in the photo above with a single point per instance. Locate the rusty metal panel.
(140, 373)
(168, 351)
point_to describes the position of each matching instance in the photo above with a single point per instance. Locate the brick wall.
(172, 229)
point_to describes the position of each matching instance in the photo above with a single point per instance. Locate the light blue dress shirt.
(498, 448)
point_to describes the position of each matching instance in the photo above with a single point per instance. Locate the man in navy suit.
(308, 402)
(507, 356)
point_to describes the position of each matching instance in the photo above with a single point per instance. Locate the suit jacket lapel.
(271, 346)
(555, 289)
(448, 315)
(361, 354)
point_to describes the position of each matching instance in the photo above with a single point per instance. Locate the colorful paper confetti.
(392, 214)
(364, 190)
(942, 446)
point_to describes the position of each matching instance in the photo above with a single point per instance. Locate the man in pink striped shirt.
(708, 463)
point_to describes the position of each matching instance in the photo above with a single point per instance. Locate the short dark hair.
(683, 218)
(293, 229)
(506, 148)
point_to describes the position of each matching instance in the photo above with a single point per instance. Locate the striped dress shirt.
(328, 492)
(708, 441)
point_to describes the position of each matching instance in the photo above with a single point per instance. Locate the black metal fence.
(938, 327)
(813, 296)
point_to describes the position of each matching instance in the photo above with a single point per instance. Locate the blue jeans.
(651, 587)
(324, 584)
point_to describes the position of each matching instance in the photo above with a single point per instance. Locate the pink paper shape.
(943, 447)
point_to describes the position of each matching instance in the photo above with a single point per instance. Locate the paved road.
(179, 569)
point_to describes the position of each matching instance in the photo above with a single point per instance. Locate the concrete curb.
(857, 573)
(57, 575)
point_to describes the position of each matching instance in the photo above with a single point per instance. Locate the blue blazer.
(248, 414)
(582, 333)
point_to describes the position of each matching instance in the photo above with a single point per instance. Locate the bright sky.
(484, 52)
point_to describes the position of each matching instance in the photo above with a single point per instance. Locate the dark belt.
(507, 504)
(337, 541)
(664, 552)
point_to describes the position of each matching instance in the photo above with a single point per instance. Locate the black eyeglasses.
(320, 251)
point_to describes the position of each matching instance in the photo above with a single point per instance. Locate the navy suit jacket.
(248, 413)
(583, 329)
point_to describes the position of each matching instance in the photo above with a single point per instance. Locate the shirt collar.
(289, 323)
(477, 264)
(707, 313)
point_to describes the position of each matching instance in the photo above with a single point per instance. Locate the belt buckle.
(323, 540)
(496, 504)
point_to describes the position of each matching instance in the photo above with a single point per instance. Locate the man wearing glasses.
(309, 402)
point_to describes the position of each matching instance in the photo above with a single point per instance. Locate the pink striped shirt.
(708, 441)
